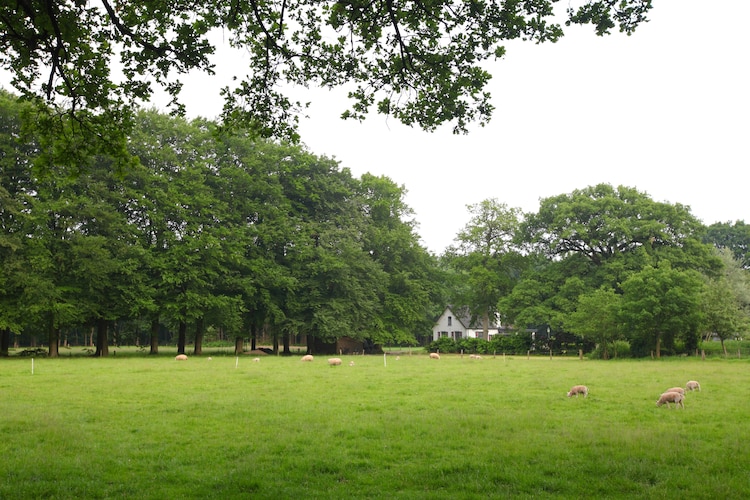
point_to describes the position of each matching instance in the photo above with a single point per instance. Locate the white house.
(459, 326)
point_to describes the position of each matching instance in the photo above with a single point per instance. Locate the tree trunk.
(53, 338)
(486, 325)
(724, 347)
(154, 336)
(238, 342)
(287, 344)
(198, 344)
(4, 342)
(182, 334)
(102, 343)
(658, 347)
(275, 344)
(253, 337)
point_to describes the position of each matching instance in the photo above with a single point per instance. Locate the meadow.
(227, 427)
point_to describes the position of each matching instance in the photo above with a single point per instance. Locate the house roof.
(463, 315)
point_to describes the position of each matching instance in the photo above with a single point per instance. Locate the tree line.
(608, 265)
(211, 233)
(204, 231)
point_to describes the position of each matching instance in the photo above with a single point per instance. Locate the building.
(459, 326)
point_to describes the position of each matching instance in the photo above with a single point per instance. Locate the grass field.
(154, 428)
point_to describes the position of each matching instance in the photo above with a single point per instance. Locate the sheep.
(307, 357)
(671, 397)
(676, 389)
(180, 357)
(257, 360)
(334, 361)
(475, 356)
(434, 355)
(351, 363)
(578, 389)
(692, 385)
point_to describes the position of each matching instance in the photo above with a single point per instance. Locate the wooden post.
(703, 354)
(580, 354)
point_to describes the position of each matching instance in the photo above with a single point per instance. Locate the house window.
(450, 321)
(457, 334)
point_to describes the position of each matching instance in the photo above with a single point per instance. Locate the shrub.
(515, 343)
(616, 349)
(443, 344)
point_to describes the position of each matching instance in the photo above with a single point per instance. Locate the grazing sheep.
(257, 360)
(351, 363)
(671, 397)
(676, 389)
(334, 361)
(475, 356)
(578, 389)
(180, 357)
(307, 357)
(434, 355)
(693, 385)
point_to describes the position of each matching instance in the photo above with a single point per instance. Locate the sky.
(665, 111)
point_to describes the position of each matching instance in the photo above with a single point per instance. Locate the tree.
(660, 304)
(487, 258)
(726, 301)
(596, 317)
(420, 62)
(390, 240)
(602, 223)
(734, 236)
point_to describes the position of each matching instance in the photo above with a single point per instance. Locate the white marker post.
(32, 366)
(384, 363)
(236, 362)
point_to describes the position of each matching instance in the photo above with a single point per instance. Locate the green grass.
(151, 427)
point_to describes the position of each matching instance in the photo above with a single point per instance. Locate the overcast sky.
(665, 111)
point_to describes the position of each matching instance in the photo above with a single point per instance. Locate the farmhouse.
(458, 325)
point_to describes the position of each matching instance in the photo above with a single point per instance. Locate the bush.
(443, 344)
(616, 349)
(515, 343)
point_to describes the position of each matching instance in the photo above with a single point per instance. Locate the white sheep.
(180, 357)
(578, 389)
(434, 355)
(257, 360)
(334, 361)
(351, 363)
(671, 397)
(693, 385)
(475, 356)
(676, 389)
(307, 357)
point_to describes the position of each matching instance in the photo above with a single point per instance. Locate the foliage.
(660, 305)
(513, 343)
(617, 349)
(207, 231)
(421, 63)
(486, 259)
(596, 317)
(734, 236)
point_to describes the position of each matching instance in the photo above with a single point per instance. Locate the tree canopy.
(205, 231)
(421, 62)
